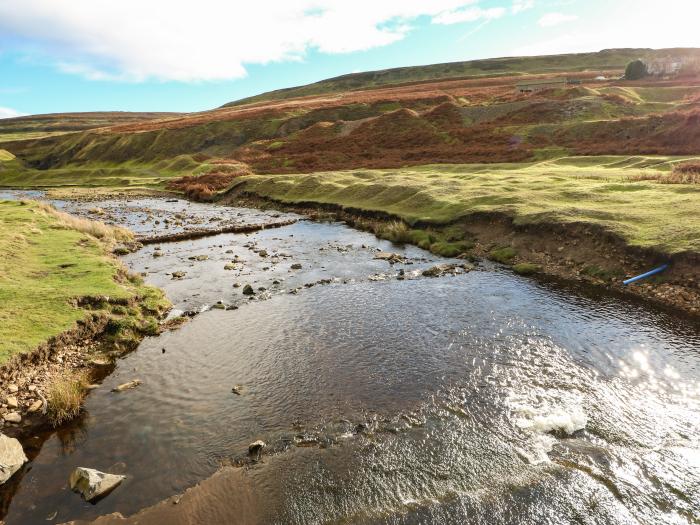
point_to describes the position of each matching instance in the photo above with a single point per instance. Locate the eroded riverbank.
(383, 395)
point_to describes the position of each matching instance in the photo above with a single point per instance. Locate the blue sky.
(180, 55)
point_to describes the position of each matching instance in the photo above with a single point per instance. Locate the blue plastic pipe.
(645, 275)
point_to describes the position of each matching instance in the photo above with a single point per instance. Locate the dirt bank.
(89, 349)
(570, 251)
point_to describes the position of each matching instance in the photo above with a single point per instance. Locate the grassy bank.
(51, 263)
(624, 195)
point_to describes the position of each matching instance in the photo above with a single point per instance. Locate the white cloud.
(213, 39)
(554, 19)
(471, 14)
(672, 23)
(647, 25)
(9, 113)
(521, 5)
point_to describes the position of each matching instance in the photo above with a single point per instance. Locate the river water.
(480, 397)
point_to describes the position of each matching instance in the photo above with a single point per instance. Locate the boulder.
(248, 290)
(92, 483)
(12, 457)
(12, 402)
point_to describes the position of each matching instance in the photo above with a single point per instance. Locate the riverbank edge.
(110, 328)
(571, 252)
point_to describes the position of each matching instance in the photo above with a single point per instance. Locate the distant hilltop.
(604, 61)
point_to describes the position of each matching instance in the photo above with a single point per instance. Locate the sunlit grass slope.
(50, 259)
(601, 190)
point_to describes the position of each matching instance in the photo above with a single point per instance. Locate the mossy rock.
(503, 255)
(526, 268)
(450, 249)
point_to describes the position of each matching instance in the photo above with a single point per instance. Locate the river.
(384, 396)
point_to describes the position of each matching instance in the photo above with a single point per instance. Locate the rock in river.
(11, 457)
(248, 290)
(92, 483)
(391, 257)
(127, 386)
(255, 448)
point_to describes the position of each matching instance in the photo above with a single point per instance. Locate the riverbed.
(383, 395)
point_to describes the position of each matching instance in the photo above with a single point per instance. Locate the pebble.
(34, 407)
(12, 417)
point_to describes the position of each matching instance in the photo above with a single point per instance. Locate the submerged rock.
(92, 483)
(248, 290)
(178, 275)
(12, 457)
(237, 389)
(296, 266)
(127, 386)
(444, 269)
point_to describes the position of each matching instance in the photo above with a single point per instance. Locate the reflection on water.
(480, 398)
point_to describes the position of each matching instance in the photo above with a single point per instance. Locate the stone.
(35, 407)
(262, 253)
(390, 257)
(12, 402)
(296, 266)
(256, 447)
(237, 389)
(248, 290)
(178, 275)
(12, 457)
(127, 386)
(92, 484)
(236, 285)
(12, 417)
(12, 388)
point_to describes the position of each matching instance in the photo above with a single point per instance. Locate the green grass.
(5, 156)
(581, 190)
(153, 175)
(526, 268)
(50, 260)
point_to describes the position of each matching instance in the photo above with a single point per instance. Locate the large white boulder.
(12, 457)
(92, 483)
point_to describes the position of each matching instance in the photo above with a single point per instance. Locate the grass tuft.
(65, 397)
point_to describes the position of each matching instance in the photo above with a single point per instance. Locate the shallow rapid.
(385, 396)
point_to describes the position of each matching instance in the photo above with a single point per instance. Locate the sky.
(186, 55)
